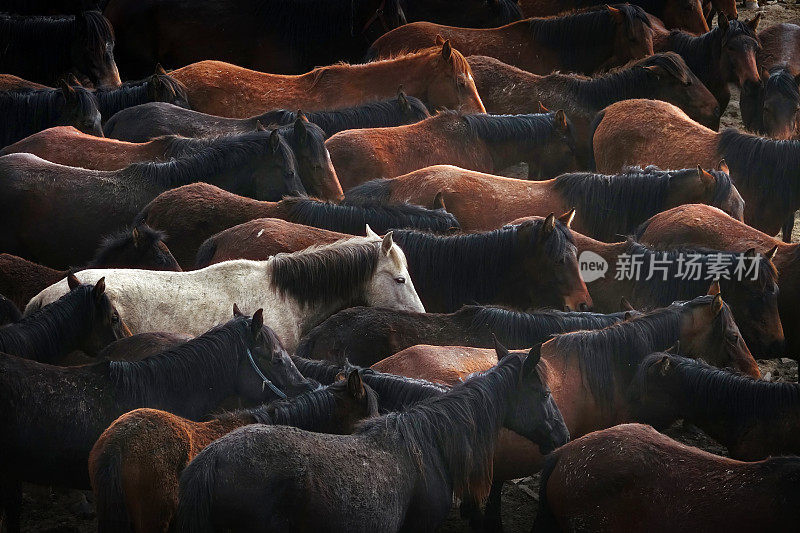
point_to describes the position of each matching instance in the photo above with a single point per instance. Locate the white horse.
(297, 291)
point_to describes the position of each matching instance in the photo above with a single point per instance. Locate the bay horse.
(668, 476)
(486, 143)
(365, 335)
(281, 37)
(753, 419)
(83, 319)
(146, 121)
(84, 205)
(589, 373)
(646, 132)
(158, 87)
(665, 76)
(675, 14)
(531, 265)
(193, 213)
(396, 472)
(585, 41)
(439, 76)
(467, 13)
(137, 347)
(771, 106)
(605, 206)
(780, 47)
(725, 55)
(9, 311)
(46, 49)
(9, 82)
(139, 247)
(27, 112)
(261, 238)
(48, 441)
(699, 225)
(298, 290)
(133, 492)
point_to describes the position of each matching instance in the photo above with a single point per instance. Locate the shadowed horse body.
(780, 47)
(771, 107)
(137, 347)
(9, 311)
(156, 88)
(586, 41)
(464, 13)
(486, 143)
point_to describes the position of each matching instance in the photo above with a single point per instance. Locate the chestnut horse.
(134, 492)
(144, 122)
(590, 371)
(439, 76)
(486, 143)
(193, 213)
(9, 82)
(507, 90)
(752, 418)
(140, 247)
(700, 225)
(668, 476)
(585, 41)
(605, 207)
(647, 132)
(679, 14)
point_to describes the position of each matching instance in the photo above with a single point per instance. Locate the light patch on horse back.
(260, 233)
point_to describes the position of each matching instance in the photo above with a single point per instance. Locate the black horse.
(9, 312)
(46, 49)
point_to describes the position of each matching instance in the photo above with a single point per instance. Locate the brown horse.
(675, 14)
(590, 371)
(486, 143)
(701, 225)
(647, 132)
(677, 487)
(9, 82)
(439, 76)
(135, 465)
(780, 47)
(141, 247)
(142, 345)
(604, 206)
(772, 106)
(586, 41)
(508, 90)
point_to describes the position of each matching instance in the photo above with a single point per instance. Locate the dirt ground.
(54, 510)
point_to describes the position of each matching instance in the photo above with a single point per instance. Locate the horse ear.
(301, 116)
(72, 281)
(616, 13)
(627, 316)
(753, 22)
(160, 70)
(549, 225)
(355, 386)
(542, 108)
(438, 201)
(371, 233)
(499, 349)
(560, 121)
(447, 50)
(402, 101)
(534, 356)
(716, 304)
(260, 126)
(387, 243)
(675, 348)
(770, 254)
(236, 312)
(706, 177)
(439, 39)
(341, 376)
(567, 218)
(66, 89)
(663, 365)
(73, 80)
(722, 166)
(274, 140)
(136, 237)
(99, 289)
(257, 323)
(300, 131)
(722, 21)
(713, 289)
(625, 304)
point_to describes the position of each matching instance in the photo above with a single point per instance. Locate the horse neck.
(700, 53)
(312, 411)
(412, 71)
(603, 91)
(119, 98)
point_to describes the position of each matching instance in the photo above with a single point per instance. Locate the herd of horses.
(244, 292)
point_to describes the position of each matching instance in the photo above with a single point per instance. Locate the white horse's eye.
(400, 279)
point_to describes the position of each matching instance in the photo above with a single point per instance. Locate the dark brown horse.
(439, 76)
(281, 37)
(47, 441)
(507, 90)
(646, 132)
(57, 215)
(464, 13)
(145, 122)
(771, 107)
(712, 492)
(486, 143)
(602, 206)
(135, 465)
(780, 47)
(9, 312)
(586, 41)
(46, 49)
(141, 345)
(752, 418)
(9, 82)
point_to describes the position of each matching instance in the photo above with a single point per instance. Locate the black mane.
(131, 93)
(113, 244)
(701, 52)
(534, 129)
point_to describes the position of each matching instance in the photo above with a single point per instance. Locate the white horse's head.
(391, 284)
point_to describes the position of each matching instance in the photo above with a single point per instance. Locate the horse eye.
(732, 337)
(400, 279)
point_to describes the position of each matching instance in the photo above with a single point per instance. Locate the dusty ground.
(47, 510)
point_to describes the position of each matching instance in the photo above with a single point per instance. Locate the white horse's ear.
(387, 243)
(371, 234)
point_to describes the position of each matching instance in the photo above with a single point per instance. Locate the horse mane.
(470, 267)
(572, 33)
(699, 51)
(614, 205)
(381, 218)
(768, 165)
(205, 362)
(110, 100)
(713, 393)
(534, 128)
(28, 111)
(326, 274)
(444, 432)
(324, 372)
(42, 334)
(114, 243)
(517, 328)
(782, 81)
(377, 190)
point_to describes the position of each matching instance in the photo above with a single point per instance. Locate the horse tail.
(545, 519)
(106, 474)
(205, 253)
(598, 118)
(196, 494)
